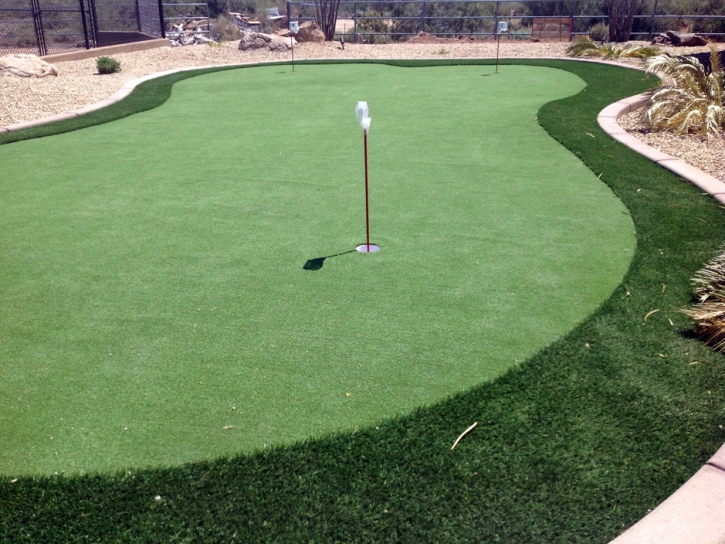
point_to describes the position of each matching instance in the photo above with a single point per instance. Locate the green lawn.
(154, 289)
(574, 444)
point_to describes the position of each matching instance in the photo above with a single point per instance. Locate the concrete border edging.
(107, 50)
(695, 513)
(607, 119)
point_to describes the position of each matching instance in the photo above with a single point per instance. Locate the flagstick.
(498, 43)
(367, 206)
(292, 48)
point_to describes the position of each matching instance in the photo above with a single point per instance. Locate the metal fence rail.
(366, 13)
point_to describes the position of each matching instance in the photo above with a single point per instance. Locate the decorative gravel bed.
(78, 84)
(694, 149)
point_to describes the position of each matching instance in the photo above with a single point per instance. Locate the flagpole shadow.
(316, 264)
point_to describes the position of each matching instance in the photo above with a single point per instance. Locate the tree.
(326, 16)
(621, 17)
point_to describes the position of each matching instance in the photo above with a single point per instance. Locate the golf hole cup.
(361, 110)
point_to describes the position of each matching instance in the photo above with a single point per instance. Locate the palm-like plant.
(709, 312)
(688, 98)
(584, 47)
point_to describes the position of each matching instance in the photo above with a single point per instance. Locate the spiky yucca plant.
(709, 311)
(688, 99)
(584, 47)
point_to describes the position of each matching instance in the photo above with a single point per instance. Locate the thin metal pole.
(498, 43)
(94, 20)
(39, 31)
(654, 18)
(292, 48)
(367, 203)
(162, 21)
(138, 18)
(85, 26)
(495, 21)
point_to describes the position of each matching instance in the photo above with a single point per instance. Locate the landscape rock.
(27, 66)
(258, 40)
(679, 39)
(310, 32)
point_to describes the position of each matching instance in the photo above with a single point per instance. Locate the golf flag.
(361, 110)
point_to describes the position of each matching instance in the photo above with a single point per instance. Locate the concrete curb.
(607, 119)
(107, 50)
(695, 513)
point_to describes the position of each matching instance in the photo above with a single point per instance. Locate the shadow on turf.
(316, 264)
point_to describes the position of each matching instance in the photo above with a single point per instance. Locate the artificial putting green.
(153, 286)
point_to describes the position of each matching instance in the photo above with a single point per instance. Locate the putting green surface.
(155, 306)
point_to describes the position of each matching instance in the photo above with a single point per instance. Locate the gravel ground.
(78, 84)
(694, 149)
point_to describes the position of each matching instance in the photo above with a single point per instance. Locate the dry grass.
(709, 311)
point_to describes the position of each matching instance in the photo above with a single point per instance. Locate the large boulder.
(679, 39)
(258, 40)
(310, 32)
(27, 66)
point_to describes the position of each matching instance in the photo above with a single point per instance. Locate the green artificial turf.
(154, 288)
(573, 445)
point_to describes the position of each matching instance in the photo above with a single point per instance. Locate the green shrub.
(599, 32)
(107, 65)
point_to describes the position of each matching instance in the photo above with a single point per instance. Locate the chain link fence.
(45, 27)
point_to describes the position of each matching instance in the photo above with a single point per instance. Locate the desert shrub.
(450, 18)
(374, 25)
(599, 32)
(222, 29)
(689, 97)
(708, 313)
(584, 47)
(107, 65)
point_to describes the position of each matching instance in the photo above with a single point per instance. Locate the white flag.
(361, 110)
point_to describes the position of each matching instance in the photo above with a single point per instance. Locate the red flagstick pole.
(498, 43)
(367, 205)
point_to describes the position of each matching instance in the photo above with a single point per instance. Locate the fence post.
(138, 17)
(85, 25)
(162, 22)
(94, 21)
(354, 22)
(422, 18)
(38, 27)
(573, 12)
(289, 14)
(654, 18)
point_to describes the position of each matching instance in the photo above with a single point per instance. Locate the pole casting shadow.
(316, 264)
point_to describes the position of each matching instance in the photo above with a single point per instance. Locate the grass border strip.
(697, 509)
